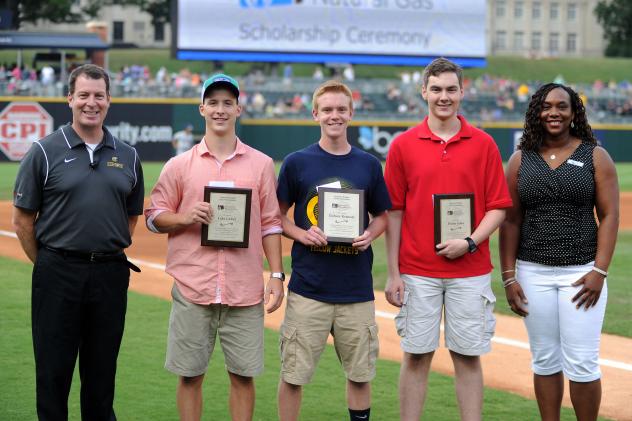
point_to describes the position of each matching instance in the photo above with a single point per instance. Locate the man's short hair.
(442, 65)
(91, 71)
(331, 86)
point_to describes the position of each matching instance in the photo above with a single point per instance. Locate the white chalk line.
(388, 315)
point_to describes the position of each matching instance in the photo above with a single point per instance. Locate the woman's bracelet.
(601, 271)
(506, 281)
(507, 271)
(513, 281)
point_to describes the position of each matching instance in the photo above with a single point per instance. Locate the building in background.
(126, 26)
(544, 28)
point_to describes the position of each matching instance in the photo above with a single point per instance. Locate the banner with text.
(355, 31)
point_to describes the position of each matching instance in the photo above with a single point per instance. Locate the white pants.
(562, 337)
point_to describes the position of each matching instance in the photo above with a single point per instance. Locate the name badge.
(577, 163)
(218, 183)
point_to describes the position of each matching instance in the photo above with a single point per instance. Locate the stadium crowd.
(487, 98)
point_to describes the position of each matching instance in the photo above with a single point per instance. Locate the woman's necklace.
(552, 157)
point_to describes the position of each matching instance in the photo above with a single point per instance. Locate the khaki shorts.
(192, 332)
(469, 314)
(304, 333)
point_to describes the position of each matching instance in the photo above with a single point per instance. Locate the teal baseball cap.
(220, 80)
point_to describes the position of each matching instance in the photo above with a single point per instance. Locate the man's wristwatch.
(471, 245)
(278, 275)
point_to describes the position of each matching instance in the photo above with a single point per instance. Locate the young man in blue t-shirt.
(331, 290)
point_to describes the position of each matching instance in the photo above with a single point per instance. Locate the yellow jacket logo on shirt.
(114, 163)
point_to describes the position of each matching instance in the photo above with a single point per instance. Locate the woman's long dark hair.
(533, 133)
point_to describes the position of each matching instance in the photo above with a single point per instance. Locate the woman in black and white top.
(554, 256)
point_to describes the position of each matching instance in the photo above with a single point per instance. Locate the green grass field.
(151, 171)
(624, 172)
(617, 319)
(574, 70)
(145, 391)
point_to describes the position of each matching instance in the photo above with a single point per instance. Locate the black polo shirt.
(81, 207)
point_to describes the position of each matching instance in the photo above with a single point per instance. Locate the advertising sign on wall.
(147, 127)
(21, 123)
(375, 139)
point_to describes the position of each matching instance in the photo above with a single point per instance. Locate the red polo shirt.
(420, 165)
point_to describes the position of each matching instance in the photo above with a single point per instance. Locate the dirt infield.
(507, 367)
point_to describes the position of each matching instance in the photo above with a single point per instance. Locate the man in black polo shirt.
(77, 198)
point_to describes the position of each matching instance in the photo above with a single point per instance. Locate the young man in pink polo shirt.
(218, 290)
(442, 155)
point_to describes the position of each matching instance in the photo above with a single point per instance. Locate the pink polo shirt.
(208, 275)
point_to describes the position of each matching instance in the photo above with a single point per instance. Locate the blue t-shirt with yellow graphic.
(332, 273)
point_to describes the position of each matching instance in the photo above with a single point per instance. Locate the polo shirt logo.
(113, 162)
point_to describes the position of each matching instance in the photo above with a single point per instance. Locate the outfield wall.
(149, 125)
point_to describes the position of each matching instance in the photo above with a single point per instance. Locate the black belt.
(96, 257)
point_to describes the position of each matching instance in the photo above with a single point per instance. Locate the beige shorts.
(469, 314)
(192, 332)
(304, 333)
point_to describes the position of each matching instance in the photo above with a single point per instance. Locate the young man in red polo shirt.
(443, 155)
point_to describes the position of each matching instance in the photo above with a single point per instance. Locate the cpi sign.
(22, 123)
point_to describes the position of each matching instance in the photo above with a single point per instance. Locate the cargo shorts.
(193, 329)
(307, 326)
(469, 314)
